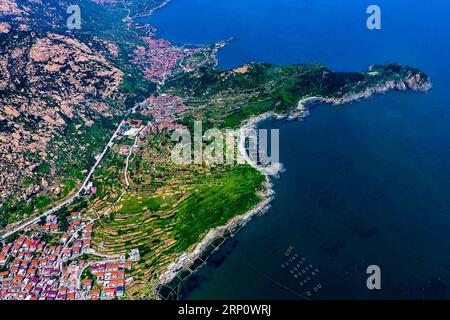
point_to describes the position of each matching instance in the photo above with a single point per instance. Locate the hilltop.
(63, 94)
(226, 98)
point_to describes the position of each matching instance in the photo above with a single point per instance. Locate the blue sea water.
(367, 183)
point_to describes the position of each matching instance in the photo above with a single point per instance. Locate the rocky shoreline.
(188, 258)
(411, 82)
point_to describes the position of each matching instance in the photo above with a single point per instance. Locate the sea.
(367, 185)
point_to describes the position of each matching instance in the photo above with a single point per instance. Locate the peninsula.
(92, 207)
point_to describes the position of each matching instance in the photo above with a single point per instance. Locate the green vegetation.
(108, 178)
(42, 202)
(51, 239)
(135, 89)
(12, 211)
(214, 202)
(131, 206)
(79, 145)
(226, 98)
(87, 274)
(168, 208)
(176, 217)
(67, 186)
(64, 213)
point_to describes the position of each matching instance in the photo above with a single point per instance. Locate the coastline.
(187, 259)
(149, 13)
(302, 110)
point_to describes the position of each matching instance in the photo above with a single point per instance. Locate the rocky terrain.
(60, 92)
(48, 82)
(226, 98)
(63, 92)
(32, 14)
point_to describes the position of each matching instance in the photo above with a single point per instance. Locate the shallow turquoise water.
(366, 183)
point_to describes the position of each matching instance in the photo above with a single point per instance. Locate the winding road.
(28, 223)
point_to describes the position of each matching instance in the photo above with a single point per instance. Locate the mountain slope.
(52, 86)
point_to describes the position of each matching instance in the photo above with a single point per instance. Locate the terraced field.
(166, 214)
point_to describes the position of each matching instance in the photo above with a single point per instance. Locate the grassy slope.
(90, 140)
(227, 98)
(163, 219)
(170, 209)
(164, 224)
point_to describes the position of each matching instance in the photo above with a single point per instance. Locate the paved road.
(134, 146)
(69, 200)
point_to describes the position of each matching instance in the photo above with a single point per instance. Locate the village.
(160, 59)
(47, 264)
(164, 111)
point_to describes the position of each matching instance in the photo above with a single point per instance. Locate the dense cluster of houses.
(47, 263)
(130, 127)
(165, 109)
(110, 276)
(32, 268)
(51, 224)
(160, 58)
